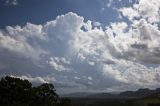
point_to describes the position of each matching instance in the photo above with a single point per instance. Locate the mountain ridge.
(140, 93)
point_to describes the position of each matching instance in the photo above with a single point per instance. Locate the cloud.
(89, 78)
(148, 10)
(37, 80)
(143, 16)
(20, 38)
(130, 12)
(83, 55)
(96, 24)
(11, 2)
(58, 63)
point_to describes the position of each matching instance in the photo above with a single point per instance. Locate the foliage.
(15, 91)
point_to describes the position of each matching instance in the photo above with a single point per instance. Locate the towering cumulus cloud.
(78, 55)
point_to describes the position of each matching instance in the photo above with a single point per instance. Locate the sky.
(82, 45)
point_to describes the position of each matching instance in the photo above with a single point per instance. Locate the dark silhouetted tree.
(45, 95)
(15, 92)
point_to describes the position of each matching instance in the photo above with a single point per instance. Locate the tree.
(14, 91)
(45, 95)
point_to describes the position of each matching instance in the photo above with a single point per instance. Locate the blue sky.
(82, 45)
(41, 11)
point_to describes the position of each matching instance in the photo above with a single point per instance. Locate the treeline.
(18, 92)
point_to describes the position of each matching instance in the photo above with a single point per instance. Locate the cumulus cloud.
(148, 10)
(130, 12)
(143, 16)
(18, 40)
(58, 63)
(81, 54)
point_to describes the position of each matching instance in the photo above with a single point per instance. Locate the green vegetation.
(146, 101)
(17, 92)
(115, 102)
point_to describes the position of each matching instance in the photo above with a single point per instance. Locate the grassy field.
(148, 102)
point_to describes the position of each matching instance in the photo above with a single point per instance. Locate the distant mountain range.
(141, 93)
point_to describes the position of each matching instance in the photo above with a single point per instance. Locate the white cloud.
(148, 10)
(114, 56)
(46, 79)
(96, 24)
(77, 78)
(109, 72)
(58, 63)
(11, 2)
(90, 78)
(17, 40)
(109, 3)
(130, 12)
(132, 73)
